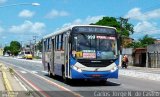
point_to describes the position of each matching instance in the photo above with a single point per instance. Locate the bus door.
(66, 55)
(52, 55)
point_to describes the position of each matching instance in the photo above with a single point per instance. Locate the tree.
(39, 46)
(6, 49)
(144, 42)
(123, 27)
(15, 47)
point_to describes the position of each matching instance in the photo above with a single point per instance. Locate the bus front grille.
(89, 63)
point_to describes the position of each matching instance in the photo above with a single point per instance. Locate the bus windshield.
(94, 46)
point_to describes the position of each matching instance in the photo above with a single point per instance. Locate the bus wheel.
(49, 72)
(65, 80)
(63, 76)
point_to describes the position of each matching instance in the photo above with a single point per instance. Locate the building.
(126, 41)
(1, 51)
(129, 53)
(153, 56)
(139, 56)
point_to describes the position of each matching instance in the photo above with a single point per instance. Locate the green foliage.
(15, 47)
(39, 46)
(142, 43)
(123, 27)
(6, 49)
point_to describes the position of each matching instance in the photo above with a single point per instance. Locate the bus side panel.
(47, 61)
(58, 62)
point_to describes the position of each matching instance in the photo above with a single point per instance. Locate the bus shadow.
(84, 83)
(93, 83)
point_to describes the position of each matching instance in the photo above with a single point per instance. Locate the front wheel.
(50, 74)
(65, 80)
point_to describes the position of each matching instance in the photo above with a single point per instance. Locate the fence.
(154, 60)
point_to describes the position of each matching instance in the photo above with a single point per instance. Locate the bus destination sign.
(89, 29)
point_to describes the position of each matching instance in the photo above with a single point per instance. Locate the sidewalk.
(141, 72)
(10, 85)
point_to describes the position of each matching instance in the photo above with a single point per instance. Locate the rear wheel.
(49, 71)
(50, 74)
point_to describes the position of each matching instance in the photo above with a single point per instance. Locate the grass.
(11, 71)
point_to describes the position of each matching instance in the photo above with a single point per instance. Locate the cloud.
(55, 13)
(87, 20)
(136, 14)
(26, 14)
(2, 1)
(28, 28)
(146, 27)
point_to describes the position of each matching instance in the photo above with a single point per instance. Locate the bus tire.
(49, 71)
(65, 80)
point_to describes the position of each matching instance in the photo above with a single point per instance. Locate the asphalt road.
(32, 73)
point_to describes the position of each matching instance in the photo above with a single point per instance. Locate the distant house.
(129, 53)
(126, 41)
(136, 57)
(140, 57)
(153, 56)
(157, 41)
(1, 51)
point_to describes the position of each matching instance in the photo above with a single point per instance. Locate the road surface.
(32, 73)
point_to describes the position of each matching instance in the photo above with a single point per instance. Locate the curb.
(7, 83)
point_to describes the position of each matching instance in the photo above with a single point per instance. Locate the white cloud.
(87, 20)
(146, 27)
(28, 28)
(55, 13)
(26, 13)
(2, 1)
(136, 13)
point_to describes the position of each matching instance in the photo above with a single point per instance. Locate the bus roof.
(70, 27)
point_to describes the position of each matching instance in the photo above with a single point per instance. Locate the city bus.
(82, 52)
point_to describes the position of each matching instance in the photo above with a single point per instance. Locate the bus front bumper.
(94, 74)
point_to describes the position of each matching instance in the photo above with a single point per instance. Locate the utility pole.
(30, 45)
(21, 45)
(35, 39)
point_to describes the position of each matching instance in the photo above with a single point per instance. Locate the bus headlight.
(77, 68)
(114, 69)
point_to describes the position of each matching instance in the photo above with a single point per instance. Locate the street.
(32, 73)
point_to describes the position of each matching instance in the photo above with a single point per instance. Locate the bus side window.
(57, 38)
(62, 42)
(44, 44)
(50, 43)
(59, 42)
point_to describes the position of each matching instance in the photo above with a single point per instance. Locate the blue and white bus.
(82, 52)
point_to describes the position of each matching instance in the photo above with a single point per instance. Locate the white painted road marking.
(44, 71)
(23, 71)
(34, 72)
(51, 82)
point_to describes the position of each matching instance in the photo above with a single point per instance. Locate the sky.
(23, 22)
